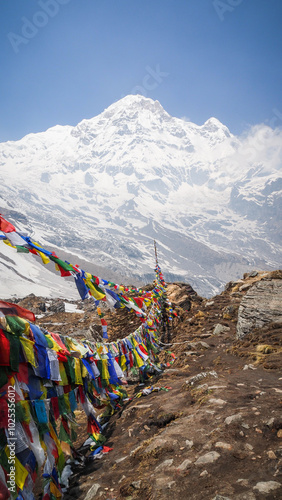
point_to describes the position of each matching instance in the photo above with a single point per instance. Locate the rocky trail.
(212, 429)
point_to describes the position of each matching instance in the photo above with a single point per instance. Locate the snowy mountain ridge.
(104, 189)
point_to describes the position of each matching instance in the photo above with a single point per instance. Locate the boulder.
(267, 486)
(208, 458)
(219, 329)
(261, 305)
(57, 306)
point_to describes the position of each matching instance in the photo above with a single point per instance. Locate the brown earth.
(216, 433)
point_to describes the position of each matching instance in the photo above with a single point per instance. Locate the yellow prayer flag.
(67, 403)
(105, 371)
(77, 372)
(123, 362)
(8, 243)
(21, 474)
(139, 360)
(63, 374)
(97, 295)
(28, 350)
(20, 471)
(55, 491)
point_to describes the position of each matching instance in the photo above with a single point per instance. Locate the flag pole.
(156, 254)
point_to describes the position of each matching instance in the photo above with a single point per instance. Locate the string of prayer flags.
(50, 374)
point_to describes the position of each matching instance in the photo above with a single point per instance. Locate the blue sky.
(65, 60)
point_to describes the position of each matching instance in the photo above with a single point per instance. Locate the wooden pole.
(156, 254)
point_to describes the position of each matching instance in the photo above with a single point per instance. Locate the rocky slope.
(216, 432)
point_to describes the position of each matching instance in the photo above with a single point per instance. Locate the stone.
(279, 433)
(189, 444)
(224, 446)
(162, 483)
(243, 482)
(233, 419)
(215, 401)
(271, 455)
(58, 306)
(270, 422)
(204, 473)
(248, 495)
(267, 486)
(118, 460)
(92, 492)
(261, 306)
(209, 303)
(164, 465)
(185, 465)
(249, 367)
(219, 329)
(171, 484)
(208, 458)
(196, 378)
(244, 288)
(136, 484)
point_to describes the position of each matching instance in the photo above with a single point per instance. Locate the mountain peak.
(135, 102)
(214, 125)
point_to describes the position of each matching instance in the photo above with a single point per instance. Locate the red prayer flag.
(138, 301)
(4, 350)
(63, 272)
(10, 309)
(106, 449)
(6, 226)
(55, 406)
(3, 413)
(22, 375)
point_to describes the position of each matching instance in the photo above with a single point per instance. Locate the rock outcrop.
(261, 305)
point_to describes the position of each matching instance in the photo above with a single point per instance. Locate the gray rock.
(223, 445)
(248, 495)
(249, 367)
(208, 458)
(118, 460)
(204, 473)
(261, 305)
(267, 486)
(245, 287)
(136, 484)
(58, 306)
(164, 465)
(270, 422)
(219, 329)
(214, 401)
(185, 465)
(196, 378)
(189, 444)
(92, 492)
(243, 482)
(209, 303)
(233, 419)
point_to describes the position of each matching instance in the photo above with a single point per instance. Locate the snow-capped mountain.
(104, 189)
